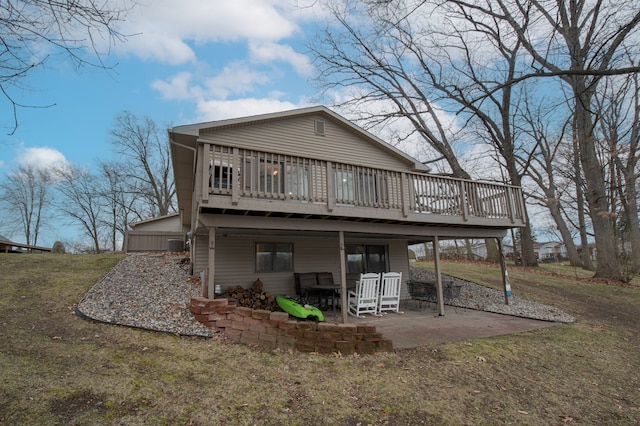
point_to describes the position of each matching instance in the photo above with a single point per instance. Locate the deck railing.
(242, 173)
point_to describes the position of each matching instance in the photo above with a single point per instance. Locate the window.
(366, 258)
(344, 185)
(297, 179)
(362, 186)
(271, 177)
(274, 257)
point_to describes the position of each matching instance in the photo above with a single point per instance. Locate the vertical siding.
(150, 240)
(296, 136)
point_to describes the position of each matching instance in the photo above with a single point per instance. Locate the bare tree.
(584, 41)
(543, 171)
(120, 204)
(425, 68)
(26, 194)
(618, 128)
(370, 61)
(80, 203)
(576, 43)
(145, 162)
(32, 30)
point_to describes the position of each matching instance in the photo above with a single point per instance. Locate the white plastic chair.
(365, 299)
(390, 284)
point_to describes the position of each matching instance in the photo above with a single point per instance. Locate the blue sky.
(199, 61)
(186, 62)
(205, 60)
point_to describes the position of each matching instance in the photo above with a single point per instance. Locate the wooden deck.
(241, 181)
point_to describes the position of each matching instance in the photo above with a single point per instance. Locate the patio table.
(326, 290)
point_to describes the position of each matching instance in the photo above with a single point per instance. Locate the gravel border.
(482, 298)
(149, 291)
(152, 291)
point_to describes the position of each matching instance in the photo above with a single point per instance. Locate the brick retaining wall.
(278, 330)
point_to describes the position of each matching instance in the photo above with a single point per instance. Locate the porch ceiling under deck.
(321, 225)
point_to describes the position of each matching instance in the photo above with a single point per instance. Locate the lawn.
(60, 369)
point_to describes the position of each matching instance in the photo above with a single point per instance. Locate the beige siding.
(399, 262)
(235, 256)
(297, 137)
(235, 265)
(317, 255)
(150, 241)
(167, 224)
(201, 253)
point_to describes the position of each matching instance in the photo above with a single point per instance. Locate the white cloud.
(159, 47)
(258, 37)
(235, 79)
(219, 109)
(177, 87)
(42, 158)
(266, 52)
(161, 29)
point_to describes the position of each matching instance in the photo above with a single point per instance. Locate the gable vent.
(319, 127)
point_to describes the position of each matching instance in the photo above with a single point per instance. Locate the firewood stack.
(254, 297)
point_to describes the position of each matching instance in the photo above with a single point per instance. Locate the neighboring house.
(550, 251)
(457, 249)
(154, 234)
(7, 246)
(308, 191)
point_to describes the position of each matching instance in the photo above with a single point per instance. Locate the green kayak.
(292, 307)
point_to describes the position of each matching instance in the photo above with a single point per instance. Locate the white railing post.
(235, 177)
(206, 171)
(405, 194)
(331, 196)
(464, 204)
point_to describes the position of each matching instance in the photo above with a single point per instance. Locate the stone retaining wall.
(278, 330)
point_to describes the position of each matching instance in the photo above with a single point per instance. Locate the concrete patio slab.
(416, 327)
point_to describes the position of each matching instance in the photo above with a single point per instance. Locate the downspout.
(343, 278)
(191, 231)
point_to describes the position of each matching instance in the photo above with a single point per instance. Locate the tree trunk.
(587, 263)
(467, 244)
(493, 254)
(602, 220)
(526, 241)
(633, 221)
(572, 251)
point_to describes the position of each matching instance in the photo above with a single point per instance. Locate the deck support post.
(212, 263)
(505, 275)
(436, 261)
(343, 278)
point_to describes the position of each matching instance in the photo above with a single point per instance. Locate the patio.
(417, 327)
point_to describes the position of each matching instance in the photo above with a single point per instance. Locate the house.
(550, 251)
(154, 234)
(306, 190)
(475, 250)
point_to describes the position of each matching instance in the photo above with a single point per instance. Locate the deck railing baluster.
(244, 173)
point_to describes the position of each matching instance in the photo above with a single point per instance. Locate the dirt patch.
(70, 406)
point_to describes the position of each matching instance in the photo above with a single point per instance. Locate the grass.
(60, 369)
